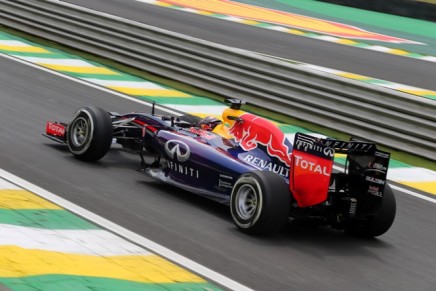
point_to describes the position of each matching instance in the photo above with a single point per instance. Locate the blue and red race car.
(246, 162)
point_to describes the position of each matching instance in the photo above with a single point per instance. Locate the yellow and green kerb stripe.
(45, 247)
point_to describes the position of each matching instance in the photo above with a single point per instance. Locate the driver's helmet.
(209, 123)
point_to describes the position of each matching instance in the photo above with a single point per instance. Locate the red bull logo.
(251, 130)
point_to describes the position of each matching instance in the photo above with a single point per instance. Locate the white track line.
(127, 234)
(406, 191)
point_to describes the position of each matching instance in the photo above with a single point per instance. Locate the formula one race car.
(246, 162)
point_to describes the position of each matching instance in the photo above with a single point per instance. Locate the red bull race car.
(246, 162)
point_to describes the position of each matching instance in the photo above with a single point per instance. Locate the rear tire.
(380, 223)
(89, 134)
(260, 202)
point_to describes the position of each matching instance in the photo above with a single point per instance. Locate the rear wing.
(312, 163)
(348, 147)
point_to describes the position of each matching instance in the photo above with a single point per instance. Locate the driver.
(209, 123)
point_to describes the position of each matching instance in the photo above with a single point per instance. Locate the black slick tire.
(89, 134)
(260, 202)
(380, 223)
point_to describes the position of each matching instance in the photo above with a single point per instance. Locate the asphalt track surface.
(295, 259)
(374, 64)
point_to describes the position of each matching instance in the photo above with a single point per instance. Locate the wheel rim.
(80, 132)
(246, 202)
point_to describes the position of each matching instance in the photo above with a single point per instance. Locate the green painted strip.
(398, 164)
(311, 34)
(77, 283)
(340, 160)
(195, 100)
(379, 82)
(433, 97)
(414, 55)
(286, 128)
(215, 15)
(44, 218)
(49, 55)
(120, 77)
(6, 36)
(373, 82)
(263, 24)
(361, 45)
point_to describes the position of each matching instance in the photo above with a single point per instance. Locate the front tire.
(89, 134)
(260, 202)
(381, 222)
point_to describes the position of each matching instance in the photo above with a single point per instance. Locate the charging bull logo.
(251, 130)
